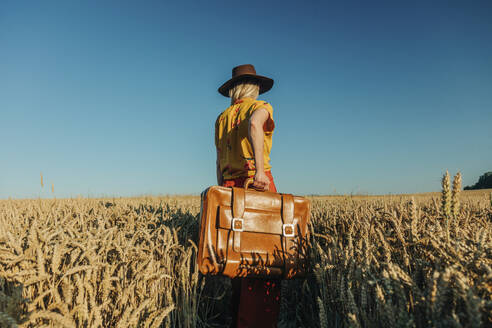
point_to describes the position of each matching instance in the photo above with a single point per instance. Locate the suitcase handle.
(250, 181)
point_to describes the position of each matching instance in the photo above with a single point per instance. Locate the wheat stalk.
(455, 193)
(446, 202)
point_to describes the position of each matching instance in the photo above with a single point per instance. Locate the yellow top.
(236, 157)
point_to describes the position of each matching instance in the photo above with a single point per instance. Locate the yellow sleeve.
(217, 132)
(270, 124)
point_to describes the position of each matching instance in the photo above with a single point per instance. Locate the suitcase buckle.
(237, 224)
(288, 230)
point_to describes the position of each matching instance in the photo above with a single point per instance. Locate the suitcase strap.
(288, 228)
(233, 251)
(288, 234)
(237, 214)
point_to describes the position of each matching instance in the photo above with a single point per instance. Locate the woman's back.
(235, 152)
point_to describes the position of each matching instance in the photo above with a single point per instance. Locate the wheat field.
(418, 260)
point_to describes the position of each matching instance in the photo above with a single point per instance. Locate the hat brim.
(265, 83)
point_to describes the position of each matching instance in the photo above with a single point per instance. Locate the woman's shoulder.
(261, 103)
(222, 115)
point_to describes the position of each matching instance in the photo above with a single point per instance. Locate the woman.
(243, 138)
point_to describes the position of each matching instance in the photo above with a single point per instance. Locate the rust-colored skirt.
(255, 301)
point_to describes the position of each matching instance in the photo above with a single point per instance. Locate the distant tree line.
(484, 182)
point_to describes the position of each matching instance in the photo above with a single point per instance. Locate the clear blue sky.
(119, 98)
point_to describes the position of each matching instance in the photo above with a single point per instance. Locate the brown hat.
(245, 71)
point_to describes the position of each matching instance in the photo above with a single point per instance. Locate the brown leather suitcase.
(249, 233)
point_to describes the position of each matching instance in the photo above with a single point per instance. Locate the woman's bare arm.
(256, 137)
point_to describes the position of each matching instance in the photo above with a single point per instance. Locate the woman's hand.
(261, 181)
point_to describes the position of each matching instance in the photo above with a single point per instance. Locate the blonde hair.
(244, 88)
